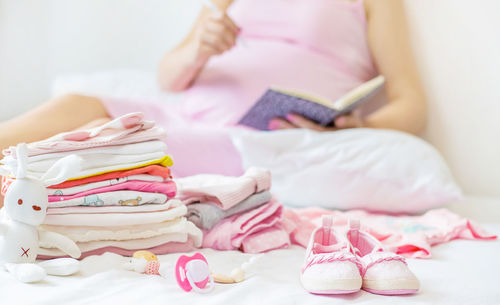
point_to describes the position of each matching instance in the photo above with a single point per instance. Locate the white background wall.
(42, 39)
(457, 45)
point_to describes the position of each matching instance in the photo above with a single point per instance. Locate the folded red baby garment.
(152, 170)
(93, 185)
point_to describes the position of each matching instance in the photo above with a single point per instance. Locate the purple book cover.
(275, 104)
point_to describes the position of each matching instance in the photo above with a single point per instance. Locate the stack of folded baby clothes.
(119, 194)
(235, 213)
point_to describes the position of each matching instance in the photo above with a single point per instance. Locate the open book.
(277, 103)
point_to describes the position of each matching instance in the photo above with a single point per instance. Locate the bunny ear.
(64, 169)
(22, 160)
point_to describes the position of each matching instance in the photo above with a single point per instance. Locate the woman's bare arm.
(212, 34)
(390, 47)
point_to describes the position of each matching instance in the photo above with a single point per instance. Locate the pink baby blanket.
(410, 236)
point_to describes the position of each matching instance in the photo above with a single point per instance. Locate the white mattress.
(460, 272)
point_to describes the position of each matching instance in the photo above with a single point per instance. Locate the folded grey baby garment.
(206, 216)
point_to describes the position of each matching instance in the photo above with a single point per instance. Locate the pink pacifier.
(192, 273)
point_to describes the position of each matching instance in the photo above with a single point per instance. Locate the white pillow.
(373, 169)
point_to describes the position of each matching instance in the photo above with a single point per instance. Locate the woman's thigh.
(60, 114)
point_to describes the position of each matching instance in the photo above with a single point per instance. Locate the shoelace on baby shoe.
(338, 252)
(323, 258)
(374, 258)
(377, 256)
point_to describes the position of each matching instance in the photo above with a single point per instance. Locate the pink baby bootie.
(383, 272)
(330, 267)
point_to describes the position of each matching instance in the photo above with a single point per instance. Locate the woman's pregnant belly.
(231, 83)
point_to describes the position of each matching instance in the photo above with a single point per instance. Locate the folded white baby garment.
(128, 229)
(96, 160)
(190, 231)
(89, 233)
(117, 219)
(112, 198)
(77, 172)
(111, 208)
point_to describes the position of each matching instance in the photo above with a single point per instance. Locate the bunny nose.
(36, 208)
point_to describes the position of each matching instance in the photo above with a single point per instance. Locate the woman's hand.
(215, 34)
(352, 120)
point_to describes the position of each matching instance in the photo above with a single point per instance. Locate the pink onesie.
(410, 236)
(315, 46)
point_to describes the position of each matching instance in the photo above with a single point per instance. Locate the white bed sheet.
(460, 272)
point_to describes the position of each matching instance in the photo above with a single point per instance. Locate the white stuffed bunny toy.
(25, 208)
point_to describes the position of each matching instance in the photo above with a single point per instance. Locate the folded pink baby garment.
(167, 187)
(166, 248)
(230, 233)
(133, 149)
(224, 191)
(127, 129)
(410, 236)
(117, 219)
(275, 237)
(152, 170)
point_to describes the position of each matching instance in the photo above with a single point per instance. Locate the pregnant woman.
(235, 51)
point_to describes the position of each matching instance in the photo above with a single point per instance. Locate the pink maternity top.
(315, 46)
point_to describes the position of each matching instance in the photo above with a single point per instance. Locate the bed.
(460, 272)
